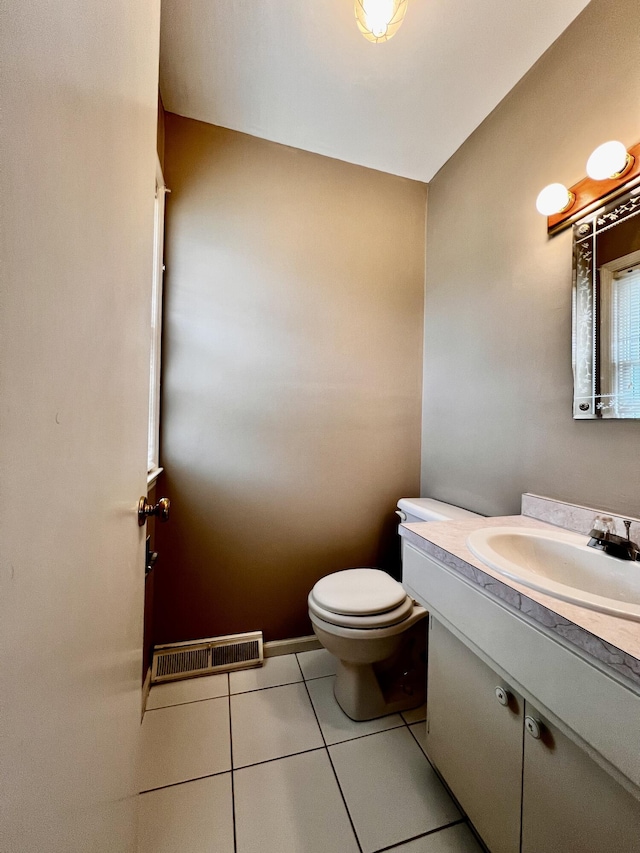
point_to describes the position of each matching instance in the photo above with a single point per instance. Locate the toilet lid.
(374, 620)
(358, 592)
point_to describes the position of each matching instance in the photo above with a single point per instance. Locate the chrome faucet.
(604, 539)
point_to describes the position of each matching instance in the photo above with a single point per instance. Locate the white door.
(78, 113)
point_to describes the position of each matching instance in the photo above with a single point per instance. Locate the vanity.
(533, 704)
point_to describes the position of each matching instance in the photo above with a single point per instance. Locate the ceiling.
(299, 72)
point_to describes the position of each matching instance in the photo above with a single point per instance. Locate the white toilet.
(366, 620)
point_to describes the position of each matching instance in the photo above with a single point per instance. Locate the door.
(474, 738)
(78, 106)
(569, 802)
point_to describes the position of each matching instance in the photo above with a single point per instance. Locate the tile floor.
(264, 761)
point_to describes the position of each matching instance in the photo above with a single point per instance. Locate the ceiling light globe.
(607, 161)
(553, 199)
(379, 20)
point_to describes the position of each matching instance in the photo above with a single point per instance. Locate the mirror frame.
(589, 403)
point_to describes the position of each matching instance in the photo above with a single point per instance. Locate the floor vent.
(217, 654)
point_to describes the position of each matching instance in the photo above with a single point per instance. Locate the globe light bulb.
(379, 20)
(609, 160)
(554, 198)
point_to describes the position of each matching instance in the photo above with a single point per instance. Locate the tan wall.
(292, 376)
(160, 130)
(498, 381)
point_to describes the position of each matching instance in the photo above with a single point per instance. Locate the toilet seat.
(369, 634)
(372, 620)
(358, 592)
(360, 598)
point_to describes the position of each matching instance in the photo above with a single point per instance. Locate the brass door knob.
(146, 510)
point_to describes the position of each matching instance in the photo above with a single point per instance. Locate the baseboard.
(288, 647)
(146, 687)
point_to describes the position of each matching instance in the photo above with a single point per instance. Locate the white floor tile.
(272, 723)
(291, 806)
(188, 690)
(391, 790)
(184, 742)
(317, 663)
(281, 669)
(419, 731)
(454, 839)
(417, 715)
(335, 724)
(196, 817)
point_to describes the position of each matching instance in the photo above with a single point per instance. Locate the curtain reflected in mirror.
(606, 311)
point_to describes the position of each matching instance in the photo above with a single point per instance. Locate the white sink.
(560, 564)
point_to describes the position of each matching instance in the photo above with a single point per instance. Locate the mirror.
(606, 311)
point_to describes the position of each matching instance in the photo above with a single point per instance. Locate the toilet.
(376, 631)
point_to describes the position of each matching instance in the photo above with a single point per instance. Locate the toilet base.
(367, 691)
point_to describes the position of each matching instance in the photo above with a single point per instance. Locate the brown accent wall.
(498, 381)
(292, 377)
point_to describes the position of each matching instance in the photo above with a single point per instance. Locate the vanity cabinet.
(474, 739)
(525, 785)
(569, 803)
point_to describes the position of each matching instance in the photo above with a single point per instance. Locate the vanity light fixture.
(610, 169)
(609, 160)
(554, 198)
(380, 20)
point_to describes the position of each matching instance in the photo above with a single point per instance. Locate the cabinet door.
(570, 804)
(474, 741)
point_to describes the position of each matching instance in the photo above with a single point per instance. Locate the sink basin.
(560, 564)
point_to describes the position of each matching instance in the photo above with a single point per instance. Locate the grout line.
(355, 834)
(414, 723)
(184, 782)
(301, 672)
(368, 734)
(344, 800)
(313, 677)
(318, 677)
(324, 741)
(268, 687)
(233, 792)
(465, 816)
(315, 748)
(278, 758)
(419, 744)
(422, 835)
(188, 702)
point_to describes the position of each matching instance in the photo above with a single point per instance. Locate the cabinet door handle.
(502, 695)
(533, 726)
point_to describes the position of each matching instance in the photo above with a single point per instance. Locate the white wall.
(78, 106)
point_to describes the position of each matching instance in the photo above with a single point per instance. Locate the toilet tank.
(428, 509)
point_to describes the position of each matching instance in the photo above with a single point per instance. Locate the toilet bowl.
(376, 631)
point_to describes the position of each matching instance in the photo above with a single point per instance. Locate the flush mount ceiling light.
(379, 20)
(610, 169)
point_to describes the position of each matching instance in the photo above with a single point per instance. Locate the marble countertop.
(612, 641)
